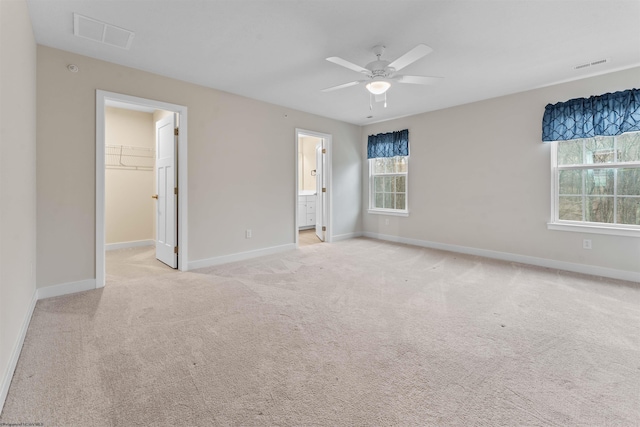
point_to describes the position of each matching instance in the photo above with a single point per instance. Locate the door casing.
(101, 97)
(320, 184)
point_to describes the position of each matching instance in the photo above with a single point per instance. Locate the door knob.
(155, 196)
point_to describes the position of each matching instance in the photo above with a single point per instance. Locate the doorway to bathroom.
(312, 187)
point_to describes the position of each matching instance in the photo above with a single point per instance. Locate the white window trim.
(593, 228)
(579, 226)
(382, 211)
(393, 212)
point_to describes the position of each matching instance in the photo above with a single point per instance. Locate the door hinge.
(324, 228)
(175, 190)
(324, 190)
(176, 132)
(175, 250)
(324, 151)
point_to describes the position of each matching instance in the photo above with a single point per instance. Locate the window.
(388, 185)
(596, 183)
(388, 155)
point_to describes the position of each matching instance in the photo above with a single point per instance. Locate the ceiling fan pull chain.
(385, 100)
(370, 101)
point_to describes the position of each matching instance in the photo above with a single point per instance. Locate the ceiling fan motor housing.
(380, 68)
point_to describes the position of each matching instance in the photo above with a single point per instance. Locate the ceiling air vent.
(592, 64)
(102, 32)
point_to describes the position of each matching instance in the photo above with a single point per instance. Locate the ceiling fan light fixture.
(378, 87)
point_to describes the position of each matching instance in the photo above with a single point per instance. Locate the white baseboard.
(523, 259)
(224, 259)
(347, 236)
(66, 288)
(15, 353)
(132, 244)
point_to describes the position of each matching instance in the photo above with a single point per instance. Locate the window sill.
(388, 212)
(595, 229)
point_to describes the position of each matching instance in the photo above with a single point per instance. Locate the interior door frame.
(327, 173)
(101, 98)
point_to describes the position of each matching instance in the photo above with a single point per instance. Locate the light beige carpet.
(355, 333)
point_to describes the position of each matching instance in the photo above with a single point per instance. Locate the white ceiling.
(275, 50)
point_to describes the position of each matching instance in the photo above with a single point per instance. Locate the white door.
(166, 192)
(319, 187)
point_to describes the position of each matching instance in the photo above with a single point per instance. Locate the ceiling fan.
(380, 73)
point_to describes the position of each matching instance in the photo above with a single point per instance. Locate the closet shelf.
(128, 157)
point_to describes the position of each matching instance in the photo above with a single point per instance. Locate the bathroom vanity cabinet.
(306, 211)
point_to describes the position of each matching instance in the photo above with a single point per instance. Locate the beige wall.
(17, 176)
(129, 208)
(480, 177)
(160, 114)
(307, 154)
(241, 165)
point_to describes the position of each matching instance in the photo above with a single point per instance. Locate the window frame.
(386, 211)
(556, 223)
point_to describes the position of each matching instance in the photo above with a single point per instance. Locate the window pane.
(570, 182)
(599, 209)
(570, 208)
(378, 165)
(399, 164)
(388, 165)
(401, 201)
(378, 202)
(599, 181)
(388, 181)
(599, 150)
(570, 152)
(629, 181)
(378, 185)
(394, 164)
(629, 147)
(629, 210)
(389, 201)
(402, 164)
(401, 184)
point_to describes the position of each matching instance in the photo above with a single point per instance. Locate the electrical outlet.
(248, 233)
(386, 221)
(586, 244)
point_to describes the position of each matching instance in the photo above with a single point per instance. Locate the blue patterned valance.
(388, 144)
(606, 115)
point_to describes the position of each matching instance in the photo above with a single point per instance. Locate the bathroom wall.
(307, 162)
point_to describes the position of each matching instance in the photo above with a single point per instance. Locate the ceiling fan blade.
(419, 80)
(411, 56)
(342, 86)
(347, 64)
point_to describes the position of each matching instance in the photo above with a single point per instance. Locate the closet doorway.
(139, 216)
(313, 164)
(131, 188)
